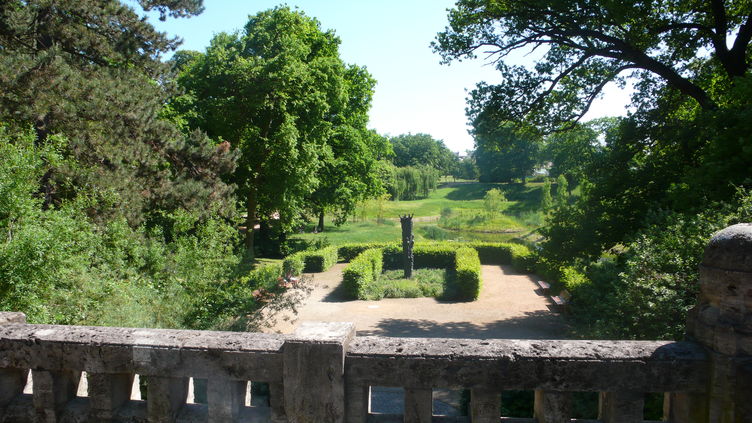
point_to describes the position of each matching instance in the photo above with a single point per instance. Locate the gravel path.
(509, 307)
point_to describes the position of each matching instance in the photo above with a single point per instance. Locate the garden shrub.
(493, 252)
(358, 278)
(438, 255)
(347, 252)
(436, 233)
(321, 260)
(310, 261)
(523, 259)
(295, 264)
(572, 279)
(467, 278)
(402, 288)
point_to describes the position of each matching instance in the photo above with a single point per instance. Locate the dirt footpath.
(510, 306)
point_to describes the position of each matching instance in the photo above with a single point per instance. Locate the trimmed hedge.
(310, 261)
(347, 252)
(432, 254)
(294, 264)
(467, 274)
(361, 276)
(493, 252)
(523, 259)
(439, 256)
(321, 260)
(362, 273)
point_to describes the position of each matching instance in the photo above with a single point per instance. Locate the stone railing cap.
(730, 248)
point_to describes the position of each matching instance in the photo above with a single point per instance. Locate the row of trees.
(680, 158)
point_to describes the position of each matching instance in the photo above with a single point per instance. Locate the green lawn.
(470, 220)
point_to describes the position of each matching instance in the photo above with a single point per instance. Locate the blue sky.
(415, 93)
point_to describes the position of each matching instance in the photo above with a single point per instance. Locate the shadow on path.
(533, 325)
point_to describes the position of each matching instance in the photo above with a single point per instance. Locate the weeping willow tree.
(411, 182)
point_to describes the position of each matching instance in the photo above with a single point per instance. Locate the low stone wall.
(322, 370)
(324, 373)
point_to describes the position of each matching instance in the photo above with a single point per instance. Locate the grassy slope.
(465, 199)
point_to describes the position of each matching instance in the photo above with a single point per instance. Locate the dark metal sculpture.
(407, 243)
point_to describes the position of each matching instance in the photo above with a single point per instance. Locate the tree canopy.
(502, 152)
(91, 70)
(693, 47)
(282, 97)
(422, 150)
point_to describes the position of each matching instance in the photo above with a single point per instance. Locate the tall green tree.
(278, 93)
(683, 145)
(569, 152)
(348, 173)
(502, 152)
(422, 150)
(92, 70)
(585, 45)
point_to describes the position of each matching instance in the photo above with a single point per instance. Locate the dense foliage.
(422, 150)
(91, 70)
(58, 265)
(292, 109)
(503, 153)
(409, 183)
(651, 187)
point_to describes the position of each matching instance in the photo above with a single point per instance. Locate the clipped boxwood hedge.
(347, 252)
(310, 261)
(439, 256)
(432, 254)
(363, 273)
(294, 264)
(467, 279)
(359, 277)
(321, 260)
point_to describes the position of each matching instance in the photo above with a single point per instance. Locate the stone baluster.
(166, 395)
(107, 392)
(358, 399)
(418, 405)
(722, 322)
(225, 399)
(552, 406)
(621, 407)
(484, 405)
(314, 372)
(52, 391)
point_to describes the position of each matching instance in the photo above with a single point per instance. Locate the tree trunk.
(250, 220)
(320, 228)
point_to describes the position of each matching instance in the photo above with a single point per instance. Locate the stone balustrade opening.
(325, 373)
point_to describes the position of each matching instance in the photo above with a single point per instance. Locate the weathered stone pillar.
(621, 407)
(408, 240)
(484, 405)
(166, 395)
(107, 392)
(552, 406)
(12, 381)
(314, 372)
(722, 322)
(418, 405)
(52, 391)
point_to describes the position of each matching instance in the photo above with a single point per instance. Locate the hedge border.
(360, 276)
(310, 261)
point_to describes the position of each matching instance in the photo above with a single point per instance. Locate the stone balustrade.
(325, 373)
